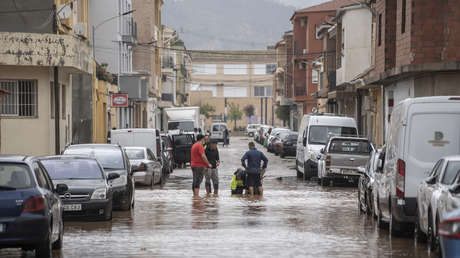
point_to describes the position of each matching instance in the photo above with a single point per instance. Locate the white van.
(138, 137)
(421, 131)
(314, 132)
(217, 131)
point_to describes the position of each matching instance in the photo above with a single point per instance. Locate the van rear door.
(433, 131)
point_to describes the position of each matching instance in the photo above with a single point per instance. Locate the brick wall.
(385, 53)
(403, 38)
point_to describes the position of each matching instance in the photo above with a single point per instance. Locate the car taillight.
(450, 228)
(34, 204)
(328, 161)
(400, 178)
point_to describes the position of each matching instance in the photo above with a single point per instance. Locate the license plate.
(72, 207)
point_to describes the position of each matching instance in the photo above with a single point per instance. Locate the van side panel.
(433, 132)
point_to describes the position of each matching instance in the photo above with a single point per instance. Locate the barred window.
(260, 91)
(22, 100)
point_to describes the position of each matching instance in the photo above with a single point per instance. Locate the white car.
(437, 195)
(218, 130)
(421, 131)
(251, 129)
(314, 132)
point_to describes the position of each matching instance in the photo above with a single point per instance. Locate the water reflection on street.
(293, 219)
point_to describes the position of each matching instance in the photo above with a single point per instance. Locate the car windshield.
(350, 146)
(15, 176)
(321, 134)
(135, 153)
(110, 158)
(186, 126)
(452, 171)
(73, 169)
(183, 140)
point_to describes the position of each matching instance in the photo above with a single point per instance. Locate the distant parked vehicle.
(30, 207)
(437, 195)
(262, 133)
(421, 131)
(341, 159)
(366, 182)
(138, 137)
(218, 131)
(145, 166)
(273, 135)
(251, 129)
(287, 144)
(182, 145)
(167, 155)
(89, 195)
(449, 230)
(113, 159)
(314, 133)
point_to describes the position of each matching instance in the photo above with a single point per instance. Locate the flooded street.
(294, 219)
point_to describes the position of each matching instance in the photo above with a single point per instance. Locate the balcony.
(130, 33)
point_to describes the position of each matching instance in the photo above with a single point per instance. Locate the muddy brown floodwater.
(293, 219)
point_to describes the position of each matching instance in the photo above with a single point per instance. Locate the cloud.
(300, 3)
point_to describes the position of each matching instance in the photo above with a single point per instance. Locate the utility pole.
(266, 109)
(57, 119)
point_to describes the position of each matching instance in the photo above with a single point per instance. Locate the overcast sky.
(301, 3)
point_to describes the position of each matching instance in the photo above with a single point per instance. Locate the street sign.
(119, 100)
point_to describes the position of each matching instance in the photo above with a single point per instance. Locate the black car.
(114, 160)
(167, 155)
(30, 207)
(182, 147)
(286, 144)
(89, 194)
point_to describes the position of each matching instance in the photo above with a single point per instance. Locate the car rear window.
(321, 134)
(452, 171)
(15, 176)
(110, 158)
(135, 153)
(350, 146)
(73, 169)
(183, 140)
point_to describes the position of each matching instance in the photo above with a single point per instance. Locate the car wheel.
(45, 249)
(370, 207)
(380, 223)
(306, 172)
(59, 243)
(419, 236)
(395, 227)
(109, 213)
(152, 182)
(282, 155)
(360, 206)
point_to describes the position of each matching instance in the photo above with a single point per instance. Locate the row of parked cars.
(277, 140)
(88, 181)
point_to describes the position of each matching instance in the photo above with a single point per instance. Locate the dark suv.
(30, 208)
(114, 160)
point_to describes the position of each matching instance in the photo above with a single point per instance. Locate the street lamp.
(95, 27)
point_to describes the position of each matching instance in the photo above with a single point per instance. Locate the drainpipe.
(57, 119)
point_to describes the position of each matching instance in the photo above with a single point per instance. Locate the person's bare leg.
(261, 191)
(251, 190)
(216, 190)
(196, 192)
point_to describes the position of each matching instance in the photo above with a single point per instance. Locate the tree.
(234, 113)
(207, 110)
(282, 112)
(249, 110)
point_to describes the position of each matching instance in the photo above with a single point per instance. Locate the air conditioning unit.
(80, 29)
(304, 51)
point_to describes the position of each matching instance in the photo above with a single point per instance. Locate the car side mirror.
(322, 151)
(61, 188)
(455, 189)
(430, 180)
(112, 176)
(304, 142)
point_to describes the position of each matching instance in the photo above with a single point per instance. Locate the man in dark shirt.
(212, 154)
(255, 172)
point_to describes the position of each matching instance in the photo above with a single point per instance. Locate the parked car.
(251, 129)
(366, 182)
(287, 144)
(314, 133)
(138, 137)
(145, 166)
(272, 136)
(217, 131)
(421, 131)
(437, 195)
(182, 145)
(449, 230)
(30, 207)
(89, 194)
(113, 159)
(167, 155)
(342, 157)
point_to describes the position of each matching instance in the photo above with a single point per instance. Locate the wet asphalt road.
(293, 219)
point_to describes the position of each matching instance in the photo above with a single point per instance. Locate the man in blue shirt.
(255, 172)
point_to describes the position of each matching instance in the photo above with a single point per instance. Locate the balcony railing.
(300, 91)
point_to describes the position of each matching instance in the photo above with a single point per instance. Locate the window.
(63, 101)
(451, 172)
(261, 91)
(380, 30)
(314, 76)
(22, 100)
(208, 69)
(75, 169)
(41, 177)
(15, 175)
(235, 69)
(259, 69)
(236, 92)
(321, 134)
(135, 153)
(403, 16)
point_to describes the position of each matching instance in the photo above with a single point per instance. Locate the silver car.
(146, 168)
(437, 195)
